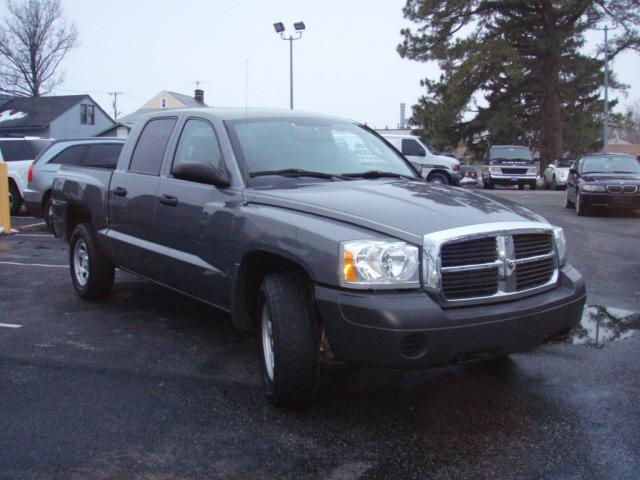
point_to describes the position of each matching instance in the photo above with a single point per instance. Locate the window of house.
(87, 114)
(149, 152)
(163, 102)
(198, 143)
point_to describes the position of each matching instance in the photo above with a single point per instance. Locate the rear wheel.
(532, 186)
(554, 185)
(521, 187)
(91, 271)
(487, 185)
(47, 212)
(289, 339)
(440, 178)
(15, 199)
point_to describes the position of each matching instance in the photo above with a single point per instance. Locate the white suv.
(433, 167)
(18, 154)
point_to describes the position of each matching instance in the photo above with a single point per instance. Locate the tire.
(520, 186)
(487, 185)
(568, 203)
(581, 210)
(91, 271)
(15, 199)
(289, 339)
(440, 178)
(554, 185)
(532, 186)
(546, 184)
(46, 213)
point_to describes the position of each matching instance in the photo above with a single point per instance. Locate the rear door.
(132, 199)
(193, 224)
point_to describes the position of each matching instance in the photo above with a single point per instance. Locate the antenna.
(115, 103)
(197, 83)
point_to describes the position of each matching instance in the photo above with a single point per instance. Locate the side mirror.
(573, 171)
(200, 172)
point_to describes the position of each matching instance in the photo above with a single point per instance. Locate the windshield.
(565, 163)
(610, 164)
(510, 153)
(306, 146)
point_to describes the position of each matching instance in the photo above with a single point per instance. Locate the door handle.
(121, 192)
(169, 200)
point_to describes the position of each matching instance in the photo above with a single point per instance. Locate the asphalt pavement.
(150, 384)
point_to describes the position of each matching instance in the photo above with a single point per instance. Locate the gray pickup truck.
(277, 218)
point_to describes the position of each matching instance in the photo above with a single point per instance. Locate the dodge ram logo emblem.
(511, 264)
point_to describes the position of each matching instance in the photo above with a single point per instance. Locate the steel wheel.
(267, 342)
(81, 262)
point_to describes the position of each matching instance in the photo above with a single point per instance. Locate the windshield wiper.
(297, 172)
(378, 174)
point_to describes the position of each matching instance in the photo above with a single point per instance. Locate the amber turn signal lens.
(348, 267)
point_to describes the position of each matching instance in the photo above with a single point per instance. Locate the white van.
(19, 153)
(433, 167)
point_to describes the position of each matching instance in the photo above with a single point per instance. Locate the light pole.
(279, 28)
(594, 16)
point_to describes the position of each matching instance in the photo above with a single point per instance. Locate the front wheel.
(532, 186)
(47, 212)
(567, 202)
(439, 178)
(581, 210)
(289, 339)
(487, 185)
(91, 271)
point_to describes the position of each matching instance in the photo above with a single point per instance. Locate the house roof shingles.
(40, 111)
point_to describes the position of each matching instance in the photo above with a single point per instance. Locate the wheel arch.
(439, 171)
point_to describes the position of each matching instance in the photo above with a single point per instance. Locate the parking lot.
(153, 385)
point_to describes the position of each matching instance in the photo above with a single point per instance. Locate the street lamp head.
(279, 27)
(299, 26)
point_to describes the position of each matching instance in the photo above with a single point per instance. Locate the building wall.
(156, 102)
(68, 124)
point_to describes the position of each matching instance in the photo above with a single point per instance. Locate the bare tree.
(33, 41)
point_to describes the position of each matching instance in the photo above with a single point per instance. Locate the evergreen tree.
(524, 60)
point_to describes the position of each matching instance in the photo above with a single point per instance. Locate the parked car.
(19, 153)
(604, 180)
(262, 214)
(433, 168)
(93, 152)
(509, 165)
(469, 176)
(555, 175)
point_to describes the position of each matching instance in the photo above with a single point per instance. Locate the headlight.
(495, 170)
(593, 188)
(532, 170)
(561, 244)
(379, 264)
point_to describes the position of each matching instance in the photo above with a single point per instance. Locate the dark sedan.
(604, 180)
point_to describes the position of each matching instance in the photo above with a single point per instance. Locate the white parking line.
(34, 264)
(33, 225)
(10, 325)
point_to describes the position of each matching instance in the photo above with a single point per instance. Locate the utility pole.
(115, 103)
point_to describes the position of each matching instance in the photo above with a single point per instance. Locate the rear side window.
(149, 151)
(16, 150)
(412, 147)
(70, 156)
(102, 155)
(198, 143)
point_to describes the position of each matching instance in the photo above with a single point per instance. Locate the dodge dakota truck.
(326, 253)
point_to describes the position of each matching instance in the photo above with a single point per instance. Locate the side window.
(198, 143)
(70, 156)
(16, 150)
(412, 148)
(149, 151)
(103, 155)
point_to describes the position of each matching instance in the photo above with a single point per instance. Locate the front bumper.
(628, 201)
(509, 179)
(411, 330)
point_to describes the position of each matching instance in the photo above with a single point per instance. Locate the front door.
(193, 222)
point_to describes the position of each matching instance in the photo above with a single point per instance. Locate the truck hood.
(396, 207)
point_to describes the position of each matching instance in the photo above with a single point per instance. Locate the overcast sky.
(345, 64)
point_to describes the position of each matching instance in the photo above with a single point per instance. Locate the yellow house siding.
(156, 102)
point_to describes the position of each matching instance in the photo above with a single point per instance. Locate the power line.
(115, 103)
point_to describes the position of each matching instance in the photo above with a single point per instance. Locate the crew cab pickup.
(273, 216)
(509, 165)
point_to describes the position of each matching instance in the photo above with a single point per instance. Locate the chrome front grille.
(630, 188)
(490, 264)
(514, 171)
(614, 188)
